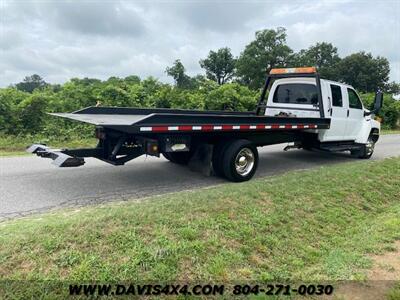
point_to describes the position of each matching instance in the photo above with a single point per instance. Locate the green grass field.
(394, 293)
(310, 225)
(390, 131)
(15, 145)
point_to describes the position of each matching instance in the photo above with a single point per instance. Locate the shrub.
(31, 112)
(390, 112)
(232, 97)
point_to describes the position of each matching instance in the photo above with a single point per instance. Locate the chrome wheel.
(244, 161)
(369, 147)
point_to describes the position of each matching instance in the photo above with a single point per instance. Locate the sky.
(60, 39)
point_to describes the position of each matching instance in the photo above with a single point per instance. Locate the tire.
(218, 152)
(365, 151)
(240, 161)
(180, 158)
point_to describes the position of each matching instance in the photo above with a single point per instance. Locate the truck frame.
(220, 142)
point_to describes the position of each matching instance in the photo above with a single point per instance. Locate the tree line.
(269, 50)
(229, 83)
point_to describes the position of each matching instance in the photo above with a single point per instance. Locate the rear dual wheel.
(218, 152)
(235, 160)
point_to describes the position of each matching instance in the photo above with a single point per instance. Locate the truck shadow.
(278, 162)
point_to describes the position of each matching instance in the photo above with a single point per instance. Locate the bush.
(232, 97)
(24, 113)
(9, 100)
(390, 112)
(32, 112)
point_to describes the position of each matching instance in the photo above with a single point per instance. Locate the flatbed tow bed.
(153, 121)
(223, 141)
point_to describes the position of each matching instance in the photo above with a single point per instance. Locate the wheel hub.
(370, 147)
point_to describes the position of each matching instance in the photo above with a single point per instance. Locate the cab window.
(337, 99)
(354, 101)
(296, 93)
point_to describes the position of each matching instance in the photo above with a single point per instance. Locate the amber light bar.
(293, 70)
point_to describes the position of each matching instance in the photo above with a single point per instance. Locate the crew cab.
(296, 106)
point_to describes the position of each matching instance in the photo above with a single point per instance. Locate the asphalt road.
(31, 184)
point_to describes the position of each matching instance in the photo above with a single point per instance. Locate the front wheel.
(240, 161)
(366, 151)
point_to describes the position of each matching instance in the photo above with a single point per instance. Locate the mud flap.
(201, 160)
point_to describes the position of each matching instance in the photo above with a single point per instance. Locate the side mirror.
(378, 102)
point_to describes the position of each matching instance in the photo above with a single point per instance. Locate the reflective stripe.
(223, 127)
(160, 128)
(186, 128)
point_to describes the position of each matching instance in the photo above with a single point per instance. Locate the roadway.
(30, 184)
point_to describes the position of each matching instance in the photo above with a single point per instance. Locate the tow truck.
(296, 106)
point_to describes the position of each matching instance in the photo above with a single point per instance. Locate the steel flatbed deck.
(147, 121)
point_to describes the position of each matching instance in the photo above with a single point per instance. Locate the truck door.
(355, 115)
(338, 114)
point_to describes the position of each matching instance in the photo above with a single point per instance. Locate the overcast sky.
(63, 39)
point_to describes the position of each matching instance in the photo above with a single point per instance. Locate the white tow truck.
(296, 106)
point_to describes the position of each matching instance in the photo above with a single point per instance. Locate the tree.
(132, 79)
(31, 112)
(113, 95)
(177, 71)
(9, 100)
(267, 51)
(323, 55)
(30, 83)
(219, 65)
(364, 72)
(392, 88)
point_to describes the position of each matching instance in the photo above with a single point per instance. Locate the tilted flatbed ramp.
(136, 120)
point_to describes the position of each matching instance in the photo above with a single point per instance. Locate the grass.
(308, 225)
(394, 293)
(16, 145)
